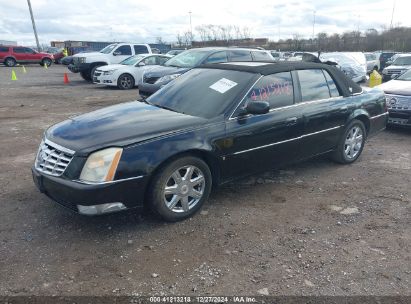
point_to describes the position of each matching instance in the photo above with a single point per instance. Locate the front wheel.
(46, 61)
(351, 144)
(125, 82)
(180, 188)
(85, 75)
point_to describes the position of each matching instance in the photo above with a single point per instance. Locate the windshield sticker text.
(223, 85)
(276, 88)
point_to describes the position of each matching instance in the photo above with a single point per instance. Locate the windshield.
(108, 49)
(132, 60)
(402, 61)
(203, 92)
(188, 59)
(406, 76)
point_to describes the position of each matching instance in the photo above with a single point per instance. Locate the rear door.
(324, 111)
(4, 50)
(19, 54)
(258, 142)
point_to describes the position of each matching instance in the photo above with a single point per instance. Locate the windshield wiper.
(143, 99)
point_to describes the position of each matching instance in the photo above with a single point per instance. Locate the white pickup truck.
(87, 63)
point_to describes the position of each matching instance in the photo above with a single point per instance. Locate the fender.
(362, 115)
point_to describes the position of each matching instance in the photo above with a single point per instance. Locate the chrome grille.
(52, 159)
(394, 72)
(398, 102)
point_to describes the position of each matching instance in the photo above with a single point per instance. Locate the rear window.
(4, 49)
(261, 56)
(313, 85)
(240, 55)
(140, 49)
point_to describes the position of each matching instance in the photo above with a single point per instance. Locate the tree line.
(397, 39)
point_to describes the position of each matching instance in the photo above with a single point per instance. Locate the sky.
(144, 21)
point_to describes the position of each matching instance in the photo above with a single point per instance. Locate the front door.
(121, 53)
(259, 142)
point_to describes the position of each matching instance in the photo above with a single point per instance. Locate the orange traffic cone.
(66, 79)
(13, 75)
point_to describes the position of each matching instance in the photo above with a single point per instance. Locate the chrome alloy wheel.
(184, 189)
(126, 82)
(353, 142)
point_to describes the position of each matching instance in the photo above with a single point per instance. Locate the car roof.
(268, 68)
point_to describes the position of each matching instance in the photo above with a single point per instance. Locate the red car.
(11, 55)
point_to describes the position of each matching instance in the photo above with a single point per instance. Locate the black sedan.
(211, 125)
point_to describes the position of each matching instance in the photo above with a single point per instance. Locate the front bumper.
(108, 80)
(72, 194)
(147, 89)
(399, 117)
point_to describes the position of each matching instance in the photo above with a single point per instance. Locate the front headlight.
(82, 59)
(109, 72)
(101, 166)
(167, 78)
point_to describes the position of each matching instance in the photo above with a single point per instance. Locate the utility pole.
(313, 24)
(392, 14)
(34, 26)
(191, 29)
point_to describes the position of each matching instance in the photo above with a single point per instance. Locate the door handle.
(291, 121)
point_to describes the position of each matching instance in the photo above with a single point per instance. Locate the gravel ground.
(315, 228)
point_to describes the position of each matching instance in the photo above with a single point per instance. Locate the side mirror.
(116, 53)
(257, 107)
(141, 63)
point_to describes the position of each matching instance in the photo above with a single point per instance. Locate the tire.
(182, 177)
(93, 69)
(351, 143)
(125, 82)
(46, 61)
(10, 62)
(85, 75)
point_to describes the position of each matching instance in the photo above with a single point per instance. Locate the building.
(8, 42)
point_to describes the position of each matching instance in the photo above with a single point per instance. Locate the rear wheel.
(180, 188)
(10, 62)
(351, 144)
(125, 82)
(46, 61)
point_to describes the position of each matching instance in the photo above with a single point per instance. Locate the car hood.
(112, 67)
(398, 67)
(118, 125)
(397, 87)
(166, 70)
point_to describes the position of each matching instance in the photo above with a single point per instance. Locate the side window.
(261, 56)
(28, 51)
(124, 50)
(161, 60)
(217, 57)
(150, 60)
(240, 55)
(19, 50)
(276, 89)
(141, 49)
(4, 49)
(313, 85)
(331, 85)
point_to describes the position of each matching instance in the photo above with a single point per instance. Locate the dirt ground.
(316, 228)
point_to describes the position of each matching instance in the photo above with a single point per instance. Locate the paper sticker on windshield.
(223, 85)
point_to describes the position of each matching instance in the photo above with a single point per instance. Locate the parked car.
(174, 52)
(398, 97)
(179, 64)
(211, 125)
(57, 54)
(401, 64)
(11, 55)
(87, 63)
(276, 55)
(373, 64)
(353, 64)
(128, 73)
(384, 57)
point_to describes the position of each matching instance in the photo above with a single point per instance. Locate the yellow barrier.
(375, 79)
